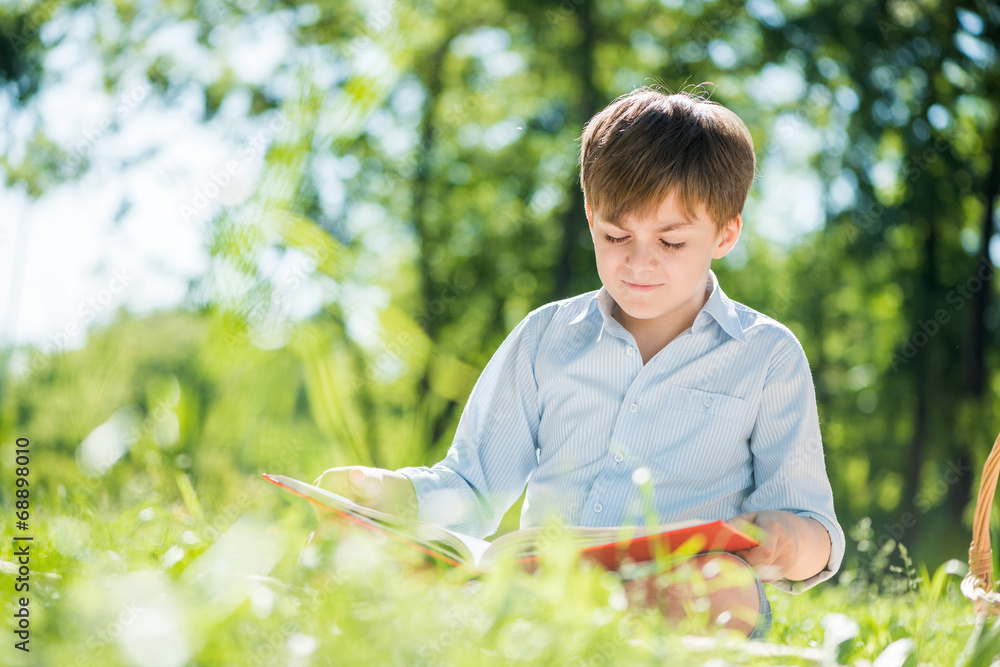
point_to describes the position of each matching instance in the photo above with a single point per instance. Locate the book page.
(454, 546)
(477, 547)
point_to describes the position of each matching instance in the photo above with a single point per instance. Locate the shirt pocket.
(699, 433)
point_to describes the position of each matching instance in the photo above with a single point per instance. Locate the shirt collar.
(719, 307)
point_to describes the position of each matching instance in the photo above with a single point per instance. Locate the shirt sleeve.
(494, 450)
(788, 462)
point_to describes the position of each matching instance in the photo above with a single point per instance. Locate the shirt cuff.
(837, 543)
(443, 497)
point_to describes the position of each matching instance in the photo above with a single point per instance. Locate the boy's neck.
(653, 335)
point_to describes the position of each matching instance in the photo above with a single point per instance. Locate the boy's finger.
(368, 484)
(335, 480)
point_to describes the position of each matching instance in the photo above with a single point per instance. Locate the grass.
(149, 568)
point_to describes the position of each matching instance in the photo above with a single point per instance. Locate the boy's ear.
(590, 215)
(728, 237)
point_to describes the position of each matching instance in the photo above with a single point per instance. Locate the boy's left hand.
(791, 546)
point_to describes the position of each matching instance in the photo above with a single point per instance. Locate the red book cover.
(714, 536)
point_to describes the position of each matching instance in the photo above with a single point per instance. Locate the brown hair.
(646, 144)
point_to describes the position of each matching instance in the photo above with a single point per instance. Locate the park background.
(251, 235)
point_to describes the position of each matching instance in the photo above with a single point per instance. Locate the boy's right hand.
(383, 490)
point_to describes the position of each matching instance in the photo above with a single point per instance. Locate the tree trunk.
(923, 371)
(573, 257)
(981, 299)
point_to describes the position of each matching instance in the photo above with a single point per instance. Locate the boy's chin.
(639, 314)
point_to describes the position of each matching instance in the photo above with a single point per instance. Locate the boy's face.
(656, 266)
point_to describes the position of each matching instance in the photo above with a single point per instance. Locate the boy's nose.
(642, 258)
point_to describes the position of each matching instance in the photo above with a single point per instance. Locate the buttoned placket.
(629, 412)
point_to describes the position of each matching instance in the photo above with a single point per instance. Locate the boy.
(656, 376)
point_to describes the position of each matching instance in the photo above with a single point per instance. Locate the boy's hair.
(646, 144)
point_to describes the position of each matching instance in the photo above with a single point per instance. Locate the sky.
(72, 258)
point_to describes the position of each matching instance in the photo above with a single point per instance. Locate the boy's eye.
(619, 239)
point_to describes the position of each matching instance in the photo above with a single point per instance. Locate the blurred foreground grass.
(173, 578)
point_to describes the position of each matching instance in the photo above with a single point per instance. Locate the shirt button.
(598, 507)
(630, 351)
(619, 458)
(707, 402)
(633, 407)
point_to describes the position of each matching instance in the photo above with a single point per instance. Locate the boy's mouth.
(639, 287)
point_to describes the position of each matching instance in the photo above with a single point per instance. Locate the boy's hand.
(383, 490)
(791, 546)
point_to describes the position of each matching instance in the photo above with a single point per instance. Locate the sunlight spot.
(172, 557)
(712, 568)
(149, 628)
(970, 21)
(641, 476)
(310, 557)
(359, 554)
(838, 629)
(167, 430)
(896, 653)
(69, 536)
(300, 645)
(261, 599)
(449, 506)
(107, 443)
(776, 85)
(956, 567)
(219, 579)
(601, 616)
(722, 54)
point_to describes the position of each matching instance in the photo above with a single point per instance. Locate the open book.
(607, 546)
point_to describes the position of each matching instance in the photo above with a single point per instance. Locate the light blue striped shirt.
(723, 420)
